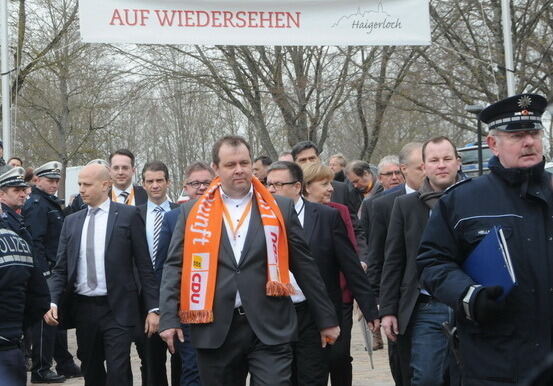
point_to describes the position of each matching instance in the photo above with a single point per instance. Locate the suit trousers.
(188, 366)
(310, 363)
(100, 338)
(341, 370)
(243, 352)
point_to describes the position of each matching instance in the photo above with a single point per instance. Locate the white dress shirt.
(235, 208)
(100, 229)
(409, 189)
(120, 198)
(150, 218)
(298, 297)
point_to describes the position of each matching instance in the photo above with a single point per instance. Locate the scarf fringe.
(275, 288)
(196, 317)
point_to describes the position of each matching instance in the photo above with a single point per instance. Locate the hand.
(329, 335)
(374, 325)
(51, 317)
(152, 324)
(168, 337)
(389, 324)
(486, 307)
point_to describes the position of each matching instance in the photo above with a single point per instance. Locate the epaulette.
(449, 189)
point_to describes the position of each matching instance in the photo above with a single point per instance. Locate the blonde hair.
(315, 171)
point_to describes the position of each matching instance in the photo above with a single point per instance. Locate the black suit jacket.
(158, 264)
(399, 288)
(125, 248)
(334, 253)
(380, 212)
(272, 318)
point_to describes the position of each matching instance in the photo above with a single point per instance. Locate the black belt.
(9, 344)
(423, 298)
(91, 299)
(240, 311)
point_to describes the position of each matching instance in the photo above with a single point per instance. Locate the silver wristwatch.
(466, 301)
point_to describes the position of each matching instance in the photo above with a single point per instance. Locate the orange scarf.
(202, 235)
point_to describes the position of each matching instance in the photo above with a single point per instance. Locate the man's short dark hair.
(125, 152)
(16, 158)
(293, 168)
(359, 167)
(303, 145)
(230, 140)
(266, 161)
(437, 140)
(156, 166)
(196, 167)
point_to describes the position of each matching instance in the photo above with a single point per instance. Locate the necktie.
(159, 212)
(125, 196)
(91, 279)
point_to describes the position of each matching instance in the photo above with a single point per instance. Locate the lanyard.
(240, 222)
(128, 201)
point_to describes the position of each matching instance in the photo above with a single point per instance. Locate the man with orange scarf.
(227, 275)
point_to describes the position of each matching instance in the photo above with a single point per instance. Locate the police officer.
(24, 298)
(500, 340)
(12, 197)
(44, 218)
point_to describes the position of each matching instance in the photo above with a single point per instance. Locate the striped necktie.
(159, 212)
(125, 196)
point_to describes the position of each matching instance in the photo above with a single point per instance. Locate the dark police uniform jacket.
(15, 222)
(24, 295)
(520, 201)
(44, 218)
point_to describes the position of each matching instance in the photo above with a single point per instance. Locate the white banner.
(256, 22)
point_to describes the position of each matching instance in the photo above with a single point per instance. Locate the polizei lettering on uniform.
(14, 250)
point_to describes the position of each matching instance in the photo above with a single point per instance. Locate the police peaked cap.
(519, 112)
(50, 169)
(13, 178)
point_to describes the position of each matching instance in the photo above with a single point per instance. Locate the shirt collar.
(165, 205)
(104, 206)
(237, 201)
(118, 191)
(409, 189)
(299, 205)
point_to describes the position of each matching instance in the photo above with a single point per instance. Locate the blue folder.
(490, 264)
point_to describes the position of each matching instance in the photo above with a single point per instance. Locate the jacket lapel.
(227, 248)
(310, 219)
(112, 219)
(77, 232)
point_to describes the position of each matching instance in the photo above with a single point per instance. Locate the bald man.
(92, 285)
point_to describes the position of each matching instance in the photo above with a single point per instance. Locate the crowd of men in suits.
(255, 271)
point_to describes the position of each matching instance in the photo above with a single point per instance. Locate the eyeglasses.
(392, 173)
(197, 184)
(279, 185)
